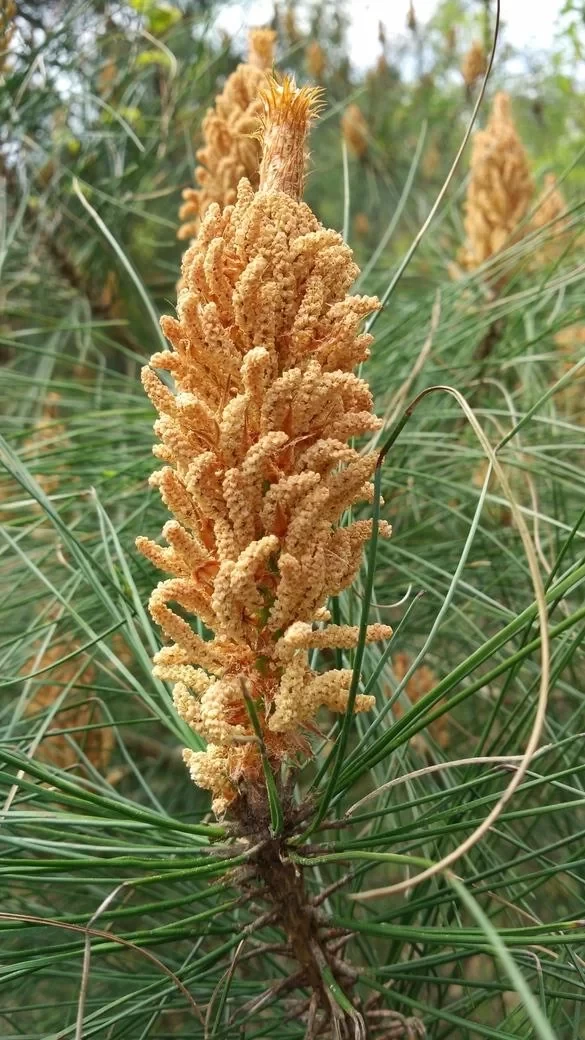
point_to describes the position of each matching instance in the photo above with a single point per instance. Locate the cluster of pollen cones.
(258, 463)
(231, 148)
(500, 207)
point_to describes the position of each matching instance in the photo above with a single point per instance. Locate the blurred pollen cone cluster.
(551, 208)
(76, 715)
(8, 13)
(500, 196)
(258, 467)
(420, 683)
(43, 451)
(431, 160)
(361, 225)
(500, 188)
(48, 434)
(571, 345)
(107, 76)
(474, 64)
(315, 59)
(231, 149)
(355, 131)
(290, 24)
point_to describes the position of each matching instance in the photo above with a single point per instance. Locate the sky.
(529, 23)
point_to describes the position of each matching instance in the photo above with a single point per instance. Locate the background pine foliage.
(120, 915)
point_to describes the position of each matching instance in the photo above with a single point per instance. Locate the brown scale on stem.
(271, 878)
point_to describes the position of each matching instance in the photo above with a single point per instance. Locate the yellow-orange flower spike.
(315, 59)
(500, 187)
(474, 64)
(431, 160)
(570, 343)
(231, 149)
(258, 466)
(287, 117)
(361, 225)
(261, 48)
(551, 209)
(355, 130)
(420, 683)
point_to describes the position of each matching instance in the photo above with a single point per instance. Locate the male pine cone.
(230, 147)
(258, 466)
(500, 188)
